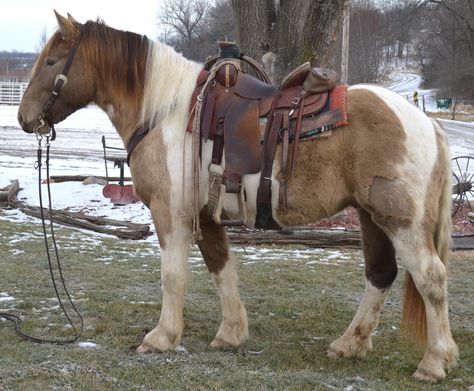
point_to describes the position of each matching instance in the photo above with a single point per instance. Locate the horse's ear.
(70, 17)
(66, 27)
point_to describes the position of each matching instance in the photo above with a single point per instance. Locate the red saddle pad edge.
(338, 100)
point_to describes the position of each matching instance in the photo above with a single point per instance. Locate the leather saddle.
(247, 117)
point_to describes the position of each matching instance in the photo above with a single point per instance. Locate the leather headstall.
(60, 81)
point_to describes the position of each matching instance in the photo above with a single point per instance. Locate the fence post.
(454, 110)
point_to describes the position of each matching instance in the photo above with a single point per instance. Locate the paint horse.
(391, 163)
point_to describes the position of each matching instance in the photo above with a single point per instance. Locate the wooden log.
(126, 230)
(81, 178)
(307, 237)
(463, 241)
(9, 194)
(324, 238)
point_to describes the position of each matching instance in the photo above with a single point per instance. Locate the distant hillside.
(16, 63)
(17, 56)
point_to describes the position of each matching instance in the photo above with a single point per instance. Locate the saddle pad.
(332, 116)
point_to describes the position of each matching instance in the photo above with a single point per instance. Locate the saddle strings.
(196, 142)
(16, 320)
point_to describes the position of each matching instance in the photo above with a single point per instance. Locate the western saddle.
(247, 117)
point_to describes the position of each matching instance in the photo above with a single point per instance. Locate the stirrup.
(218, 200)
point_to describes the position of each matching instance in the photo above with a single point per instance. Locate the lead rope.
(16, 320)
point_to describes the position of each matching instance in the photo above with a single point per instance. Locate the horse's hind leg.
(215, 250)
(380, 272)
(429, 275)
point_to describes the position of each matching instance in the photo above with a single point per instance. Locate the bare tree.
(43, 38)
(193, 28)
(184, 21)
(367, 45)
(449, 45)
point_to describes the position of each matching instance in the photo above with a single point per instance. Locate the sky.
(22, 21)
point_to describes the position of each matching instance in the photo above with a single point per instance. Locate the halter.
(59, 82)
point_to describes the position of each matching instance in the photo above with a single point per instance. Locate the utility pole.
(345, 44)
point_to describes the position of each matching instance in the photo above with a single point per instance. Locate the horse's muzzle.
(30, 126)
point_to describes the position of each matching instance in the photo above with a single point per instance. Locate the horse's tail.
(414, 315)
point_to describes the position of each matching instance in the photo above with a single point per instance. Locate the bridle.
(59, 82)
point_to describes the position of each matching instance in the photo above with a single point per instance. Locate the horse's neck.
(123, 117)
(169, 83)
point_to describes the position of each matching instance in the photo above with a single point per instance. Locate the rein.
(16, 319)
(43, 119)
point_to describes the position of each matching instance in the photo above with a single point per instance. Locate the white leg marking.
(357, 339)
(430, 277)
(234, 327)
(174, 276)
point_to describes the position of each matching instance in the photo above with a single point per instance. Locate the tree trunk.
(254, 20)
(297, 31)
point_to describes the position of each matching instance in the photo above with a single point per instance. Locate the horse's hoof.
(334, 354)
(144, 349)
(424, 375)
(219, 343)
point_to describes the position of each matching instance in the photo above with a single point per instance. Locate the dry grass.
(464, 112)
(298, 302)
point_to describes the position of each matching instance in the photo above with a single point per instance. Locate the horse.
(391, 163)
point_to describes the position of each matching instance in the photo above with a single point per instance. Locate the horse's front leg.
(175, 237)
(215, 250)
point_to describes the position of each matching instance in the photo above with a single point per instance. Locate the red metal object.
(120, 195)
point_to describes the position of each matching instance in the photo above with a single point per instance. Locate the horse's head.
(60, 83)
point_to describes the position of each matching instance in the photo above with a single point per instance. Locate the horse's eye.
(50, 61)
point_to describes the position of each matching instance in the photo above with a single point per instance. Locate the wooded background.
(436, 35)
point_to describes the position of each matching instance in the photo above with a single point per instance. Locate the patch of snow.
(180, 349)
(4, 297)
(87, 345)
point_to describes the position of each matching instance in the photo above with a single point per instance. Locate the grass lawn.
(298, 300)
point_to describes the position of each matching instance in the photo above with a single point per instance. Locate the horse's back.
(389, 146)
